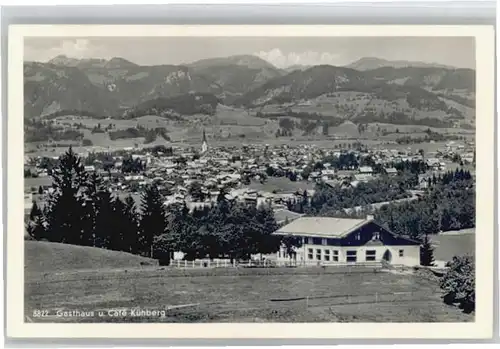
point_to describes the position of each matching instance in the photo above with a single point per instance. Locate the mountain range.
(115, 87)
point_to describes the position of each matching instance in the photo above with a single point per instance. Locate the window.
(316, 241)
(370, 255)
(318, 255)
(335, 257)
(310, 254)
(376, 236)
(310, 241)
(323, 242)
(401, 253)
(326, 255)
(358, 236)
(351, 256)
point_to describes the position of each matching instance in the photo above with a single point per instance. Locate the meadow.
(453, 243)
(68, 278)
(281, 185)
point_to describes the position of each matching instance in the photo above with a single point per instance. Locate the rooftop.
(321, 226)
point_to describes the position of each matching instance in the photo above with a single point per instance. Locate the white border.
(481, 328)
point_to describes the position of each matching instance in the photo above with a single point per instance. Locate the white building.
(330, 241)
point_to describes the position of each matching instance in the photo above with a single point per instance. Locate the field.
(454, 243)
(312, 294)
(281, 185)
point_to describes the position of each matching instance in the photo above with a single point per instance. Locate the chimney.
(369, 217)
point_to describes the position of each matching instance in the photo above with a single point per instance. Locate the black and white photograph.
(251, 179)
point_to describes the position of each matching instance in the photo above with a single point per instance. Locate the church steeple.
(204, 144)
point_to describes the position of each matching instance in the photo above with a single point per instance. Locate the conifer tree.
(36, 225)
(106, 229)
(152, 221)
(131, 224)
(64, 208)
(426, 252)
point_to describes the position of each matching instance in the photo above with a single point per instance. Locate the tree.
(290, 243)
(426, 253)
(196, 191)
(421, 152)
(131, 225)
(458, 283)
(65, 213)
(106, 229)
(152, 221)
(40, 190)
(36, 225)
(325, 128)
(92, 189)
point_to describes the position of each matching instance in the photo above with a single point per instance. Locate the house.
(423, 181)
(328, 174)
(366, 170)
(330, 241)
(391, 171)
(433, 163)
(89, 168)
(363, 177)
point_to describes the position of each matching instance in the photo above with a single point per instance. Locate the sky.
(280, 51)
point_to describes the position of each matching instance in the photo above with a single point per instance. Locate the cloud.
(282, 60)
(74, 48)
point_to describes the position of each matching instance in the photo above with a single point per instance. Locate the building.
(366, 170)
(204, 144)
(330, 241)
(391, 171)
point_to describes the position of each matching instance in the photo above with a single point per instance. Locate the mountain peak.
(250, 61)
(118, 62)
(64, 60)
(371, 63)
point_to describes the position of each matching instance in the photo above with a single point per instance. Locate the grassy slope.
(224, 294)
(450, 244)
(54, 258)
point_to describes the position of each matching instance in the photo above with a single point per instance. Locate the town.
(276, 176)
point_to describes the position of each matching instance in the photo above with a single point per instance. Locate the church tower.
(204, 144)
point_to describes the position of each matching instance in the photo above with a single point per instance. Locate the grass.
(450, 244)
(221, 295)
(281, 185)
(41, 257)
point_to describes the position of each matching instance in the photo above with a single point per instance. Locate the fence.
(267, 263)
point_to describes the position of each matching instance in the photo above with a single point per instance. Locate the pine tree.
(36, 225)
(426, 252)
(92, 195)
(131, 224)
(65, 206)
(152, 220)
(106, 229)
